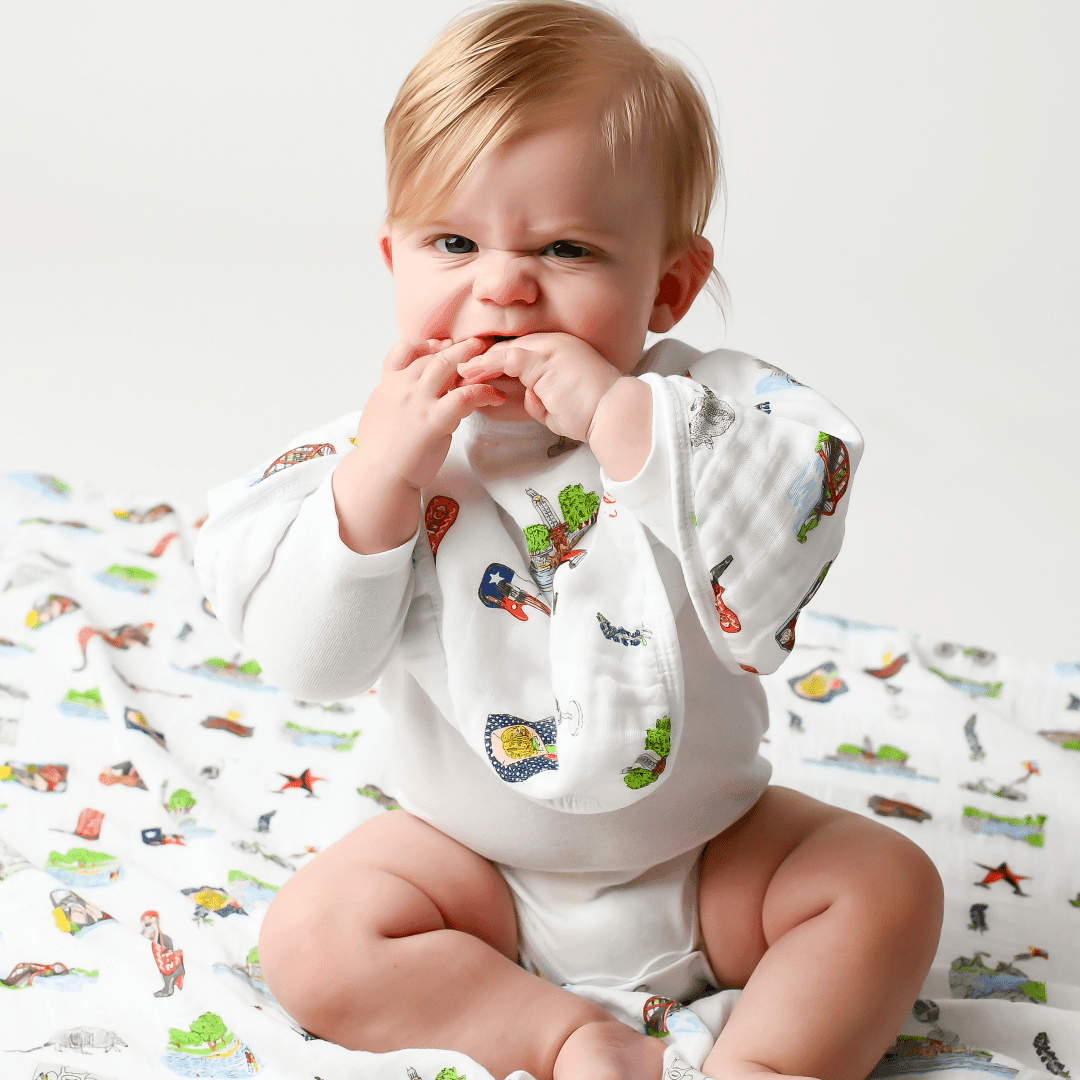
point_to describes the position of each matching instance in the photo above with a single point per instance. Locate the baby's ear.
(680, 283)
(383, 237)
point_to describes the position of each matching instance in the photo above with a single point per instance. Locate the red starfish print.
(1002, 873)
(302, 782)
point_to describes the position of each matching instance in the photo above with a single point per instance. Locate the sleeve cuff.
(649, 495)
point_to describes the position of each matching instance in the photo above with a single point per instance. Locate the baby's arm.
(402, 440)
(318, 587)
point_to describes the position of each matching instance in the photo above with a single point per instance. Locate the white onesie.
(570, 661)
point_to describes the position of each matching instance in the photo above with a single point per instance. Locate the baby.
(568, 563)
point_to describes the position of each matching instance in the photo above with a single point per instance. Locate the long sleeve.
(748, 481)
(321, 619)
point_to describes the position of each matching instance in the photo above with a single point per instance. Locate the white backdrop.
(188, 276)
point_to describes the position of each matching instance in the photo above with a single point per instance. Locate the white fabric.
(617, 930)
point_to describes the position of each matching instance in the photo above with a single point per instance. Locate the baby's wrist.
(620, 433)
(376, 511)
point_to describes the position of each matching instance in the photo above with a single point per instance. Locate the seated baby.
(568, 562)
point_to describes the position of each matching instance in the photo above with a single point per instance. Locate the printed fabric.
(158, 787)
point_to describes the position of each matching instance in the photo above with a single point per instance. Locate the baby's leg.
(398, 936)
(829, 922)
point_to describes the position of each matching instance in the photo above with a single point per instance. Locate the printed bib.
(560, 643)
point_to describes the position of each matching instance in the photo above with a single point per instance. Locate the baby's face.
(542, 236)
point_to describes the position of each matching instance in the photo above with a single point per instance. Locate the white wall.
(189, 195)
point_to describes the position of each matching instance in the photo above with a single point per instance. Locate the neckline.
(477, 425)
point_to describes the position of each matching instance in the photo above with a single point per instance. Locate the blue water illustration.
(237, 1060)
(40, 484)
(78, 708)
(224, 675)
(140, 588)
(87, 879)
(73, 983)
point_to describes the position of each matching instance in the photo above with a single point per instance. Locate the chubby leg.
(398, 936)
(829, 922)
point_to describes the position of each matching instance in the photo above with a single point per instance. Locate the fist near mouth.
(564, 378)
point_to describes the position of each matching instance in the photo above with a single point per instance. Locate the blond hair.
(507, 68)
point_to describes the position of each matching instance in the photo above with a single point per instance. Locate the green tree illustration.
(577, 505)
(537, 537)
(638, 778)
(891, 753)
(181, 799)
(449, 1073)
(658, 737)
(210, 1028)
(183, 1038)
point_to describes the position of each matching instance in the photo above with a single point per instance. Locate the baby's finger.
(453, 407)
(462, 351)
(517, 363)
(535, 407)
(438, 376)
(404, 353)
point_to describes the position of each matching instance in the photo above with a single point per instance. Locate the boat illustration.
(971, 977)
(1067, 740)
(84, 868)
(127, 578)
(885, 761)
(228, 723)
(309, 736)
(916, 1054)
(42, 484)
(890, 666)
(969, 686)
(373, 791)
(1028, 828)
(232, 672)
(894, 808)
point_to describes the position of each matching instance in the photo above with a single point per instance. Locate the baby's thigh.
(392, 877)
(789, 859)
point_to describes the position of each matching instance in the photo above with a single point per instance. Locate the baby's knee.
(900, 892)
(296, 951)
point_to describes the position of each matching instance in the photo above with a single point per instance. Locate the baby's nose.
(504, 278)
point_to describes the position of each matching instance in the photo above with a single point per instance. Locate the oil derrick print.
(552, 542)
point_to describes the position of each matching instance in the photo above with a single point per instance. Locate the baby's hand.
(406, 426)
(564, 378)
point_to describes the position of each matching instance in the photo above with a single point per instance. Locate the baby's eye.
(455, 245)
(564, 249)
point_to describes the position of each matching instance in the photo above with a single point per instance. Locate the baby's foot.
(609, 1050)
